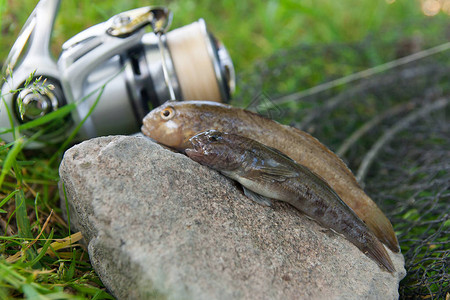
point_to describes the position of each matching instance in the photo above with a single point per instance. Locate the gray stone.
(160, 226)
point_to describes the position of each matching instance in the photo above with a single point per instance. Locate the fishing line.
(362, 74)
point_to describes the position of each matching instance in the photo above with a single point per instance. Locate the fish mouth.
(196, 150)
(145, 131)
(200, 149)
(196, 144)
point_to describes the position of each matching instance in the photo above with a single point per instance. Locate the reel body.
(115, 72)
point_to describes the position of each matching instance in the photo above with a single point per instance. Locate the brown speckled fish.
(266, 174)
(174, 123)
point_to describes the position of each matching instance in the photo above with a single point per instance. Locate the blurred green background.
(250, 29)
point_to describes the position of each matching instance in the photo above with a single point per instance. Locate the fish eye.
(167, 113)
(214, 138)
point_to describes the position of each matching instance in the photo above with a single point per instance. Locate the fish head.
(175, 122)
(217, 150)
(162, 125)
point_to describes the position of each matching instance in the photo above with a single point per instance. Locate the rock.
(160, 226)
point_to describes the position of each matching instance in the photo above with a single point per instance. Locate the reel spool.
(200, 78)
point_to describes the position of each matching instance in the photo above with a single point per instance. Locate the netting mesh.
(390, 125)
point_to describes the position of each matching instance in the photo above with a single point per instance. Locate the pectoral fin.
(257, 197)
(277, 173)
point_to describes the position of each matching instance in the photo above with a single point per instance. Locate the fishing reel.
(110, 75)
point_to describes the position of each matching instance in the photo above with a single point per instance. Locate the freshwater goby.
(174, 123)
(266, 174)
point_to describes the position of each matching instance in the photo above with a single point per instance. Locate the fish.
(175, 122)
(266, 173)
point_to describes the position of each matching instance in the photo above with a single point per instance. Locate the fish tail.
(382, 228)
(378, 253)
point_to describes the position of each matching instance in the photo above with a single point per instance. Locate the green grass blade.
(67, 205)
(11, 279)
(71, 271)
(93, 291)
(6, 146)
(36, 210)
(42, 253)
(30, 293)
(9, 275)
(57, 114)
(10, 159)
(10, 118)
(102, 295)
(23, 224)
(8, 197)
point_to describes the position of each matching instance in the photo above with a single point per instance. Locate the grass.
(251, 29)
(39, 257)
(32, 263)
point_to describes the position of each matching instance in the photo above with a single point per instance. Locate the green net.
(389, 123)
